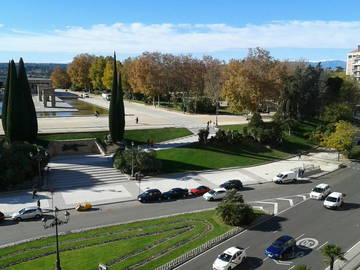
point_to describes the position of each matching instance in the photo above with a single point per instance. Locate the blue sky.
(56, 31)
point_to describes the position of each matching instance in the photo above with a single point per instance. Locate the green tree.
(116, 110)
(337, 111)
(108, 73)
(5, 101)
(29, 119)
(331, 253)
(96, 73)
(233, 211)
(341, 139)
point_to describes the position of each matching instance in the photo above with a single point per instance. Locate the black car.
(2, 216)
(150, 195)
(175, 193)
(232, 184)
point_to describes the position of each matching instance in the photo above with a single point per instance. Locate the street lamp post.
(54, 223)
(132, 159)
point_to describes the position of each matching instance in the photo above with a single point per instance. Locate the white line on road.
(276, 206)
(275, 231)
(258, 207)
(299, 236)
(322, 245)
(291, 267)
(289, 200)
(282, 262)
(302, 196)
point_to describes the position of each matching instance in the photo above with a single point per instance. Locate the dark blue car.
(281, 247)
(150, 195)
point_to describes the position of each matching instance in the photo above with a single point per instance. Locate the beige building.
(353, 64)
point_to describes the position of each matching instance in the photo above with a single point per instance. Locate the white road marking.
(299, 236)
(322, 245)
(302, 196)
(282, 262)
(291, 267)
(275, 231)
(258, 207)
(266, 258)
(276, 206)
(289, 200)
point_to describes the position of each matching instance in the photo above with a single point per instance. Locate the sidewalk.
(106, 186)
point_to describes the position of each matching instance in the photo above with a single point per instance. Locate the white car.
(215, 194)
(334, 200)
(320, 191)
(28, 212)
(229, 259)
(285, 177)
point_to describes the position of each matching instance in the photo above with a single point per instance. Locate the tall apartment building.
(353, 64)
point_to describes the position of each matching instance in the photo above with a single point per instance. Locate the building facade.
(353, 64)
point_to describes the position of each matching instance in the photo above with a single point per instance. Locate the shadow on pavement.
(8, 222)
(272, 224)
(348, 206)
(250, 263)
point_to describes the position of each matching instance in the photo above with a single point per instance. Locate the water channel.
(84, 108)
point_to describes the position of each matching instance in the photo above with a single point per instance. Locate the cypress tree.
(5, 100)
(116, 110)
(30, 119)
(120, 104)
(14, 129)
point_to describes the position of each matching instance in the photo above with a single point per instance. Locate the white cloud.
(183, 38)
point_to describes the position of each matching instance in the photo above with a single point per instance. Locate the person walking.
(38, 203)
(299, 156)
(137, 120)
(34, 193)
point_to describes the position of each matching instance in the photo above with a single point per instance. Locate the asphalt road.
(309, 222)
(307, 219)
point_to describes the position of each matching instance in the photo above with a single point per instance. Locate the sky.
(43, 31)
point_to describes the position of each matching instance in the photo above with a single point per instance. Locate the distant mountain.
(36, 70)
(332, 64)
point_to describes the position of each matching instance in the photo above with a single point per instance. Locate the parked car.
(285, 177)
(334, 200)
(200, 190)
(85, 95)
(150, 195)
(232, 184)
(2, 216)
(27, 212)
(175, 193)
(215, 194)
(320, 191)
(229, 259)
(281, 247)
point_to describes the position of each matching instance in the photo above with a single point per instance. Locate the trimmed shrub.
(354, 152)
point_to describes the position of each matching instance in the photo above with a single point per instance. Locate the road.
(309, 222)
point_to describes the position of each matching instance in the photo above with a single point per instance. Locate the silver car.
(27, 212)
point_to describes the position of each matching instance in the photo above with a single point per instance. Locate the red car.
(200, 190)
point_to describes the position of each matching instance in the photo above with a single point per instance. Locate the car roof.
(322, 185)
(232, 250)
(286, 172)
(31, 207)
(284, 238)
(219, 189)
(335, 194)
(152, 190)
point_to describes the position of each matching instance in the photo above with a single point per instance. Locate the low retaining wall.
(75, 147)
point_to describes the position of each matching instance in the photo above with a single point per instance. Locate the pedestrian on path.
(299, 156)
(34, 193)
(137, 120)
(38, 203)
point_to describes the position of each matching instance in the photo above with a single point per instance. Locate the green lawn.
(122, 246)
(203, 157)
(137, 136)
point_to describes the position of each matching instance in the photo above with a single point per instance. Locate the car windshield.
(278, 244)
(225, 257)
(212, 191)
(22, 211)
(331, 199)
(318, 190)
(280, 175)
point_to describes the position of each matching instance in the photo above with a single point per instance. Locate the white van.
(285, 177)
(320, 191)
(334, 200)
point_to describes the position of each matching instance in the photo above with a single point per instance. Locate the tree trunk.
(331, 263)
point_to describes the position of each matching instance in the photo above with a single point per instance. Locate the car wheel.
(211, 199)
(38, 216)
(229, 268)
(18, 219)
